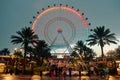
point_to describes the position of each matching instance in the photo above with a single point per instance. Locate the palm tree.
(117, 50)
(26, 36)
(18, 54)
(74, 54)
(31, 52)
(79, 47)
(5, 51)
(85, 52)
(101, 36)
(89, 54)
(42, 50)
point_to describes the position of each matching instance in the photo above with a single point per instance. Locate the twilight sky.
(16, 14)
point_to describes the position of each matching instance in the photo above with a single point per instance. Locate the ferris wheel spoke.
(60, 25)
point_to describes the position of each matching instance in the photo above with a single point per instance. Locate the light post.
(16, 56)
(15, 49)
(17, 53)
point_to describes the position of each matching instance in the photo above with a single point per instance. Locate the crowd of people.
(101, 72)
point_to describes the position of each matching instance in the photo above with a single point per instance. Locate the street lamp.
(15, 50)
(17, 53)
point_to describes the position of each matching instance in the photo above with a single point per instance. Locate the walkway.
(37, 77)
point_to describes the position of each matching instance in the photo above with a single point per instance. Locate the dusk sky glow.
(16, 14)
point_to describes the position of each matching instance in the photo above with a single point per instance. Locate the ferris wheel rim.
(60, 7)
(76, 12)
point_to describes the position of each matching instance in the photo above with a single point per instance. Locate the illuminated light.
(60, 56)
(84, 22)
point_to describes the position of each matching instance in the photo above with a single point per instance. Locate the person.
(106, 72)
(91, 70)
(41, 73)
(11, 71)
(101, 72)
(56, 71)
(70, 69)
(64, 72)
(96, 70)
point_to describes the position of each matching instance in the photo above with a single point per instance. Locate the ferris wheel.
(60, 26)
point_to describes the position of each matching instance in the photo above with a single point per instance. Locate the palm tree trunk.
(25, 51)
(102, 51)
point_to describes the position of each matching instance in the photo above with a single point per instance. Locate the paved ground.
(37, 77)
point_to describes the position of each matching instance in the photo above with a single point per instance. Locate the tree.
(89, 54)
(117, 52)
(18, 53)
(25, 36)
(101, 36)
(79, 47)
(74, 54)
(85, 52)
(42, 50)
(111, 53)
(5, 51)
(31, 52)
